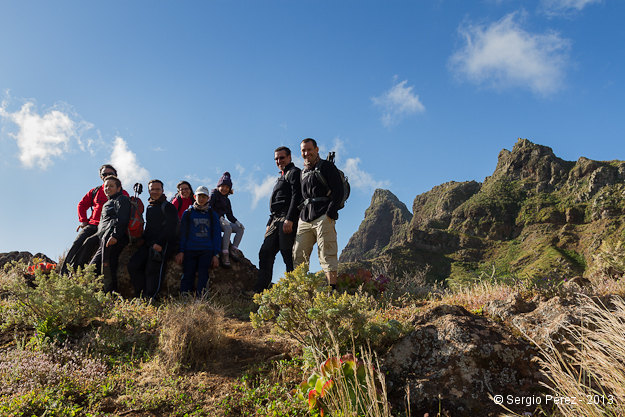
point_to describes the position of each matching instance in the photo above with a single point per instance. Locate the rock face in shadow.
(384, 219)
(454, 359)
(26, 257)
(537, 214)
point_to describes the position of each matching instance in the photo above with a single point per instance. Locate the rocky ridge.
(536, 214)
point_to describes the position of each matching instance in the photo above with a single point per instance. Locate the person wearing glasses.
(94, 200)
(282, 224)
(183, 198)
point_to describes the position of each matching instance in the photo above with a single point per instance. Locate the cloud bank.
(128, 168)
(503, 55)
(398, 102)
(43, 138)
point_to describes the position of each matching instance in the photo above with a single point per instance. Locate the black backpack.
(320, 177)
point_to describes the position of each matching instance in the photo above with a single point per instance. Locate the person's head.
(184, 189)
(224, 185)
(112, 185)
(309, 149)
(107, 170)
(201, 195)
(282, 156)
(155, 187)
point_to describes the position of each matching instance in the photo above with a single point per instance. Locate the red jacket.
(182, 204)
(93, 203)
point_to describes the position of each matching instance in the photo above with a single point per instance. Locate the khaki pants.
(323, 232)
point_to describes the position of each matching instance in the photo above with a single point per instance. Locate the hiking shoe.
(225, 260)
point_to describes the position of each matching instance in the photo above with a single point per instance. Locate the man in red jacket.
(94, 200)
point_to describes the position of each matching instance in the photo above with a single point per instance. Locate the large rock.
(26, 257)
(456, 359)
(239, 278)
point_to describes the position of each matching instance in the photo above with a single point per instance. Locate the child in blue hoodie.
(200, 243)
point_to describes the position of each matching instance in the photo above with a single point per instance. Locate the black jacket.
(115, 217)
(221, 204)
(286, 195)
(161, 223)
(313, 187)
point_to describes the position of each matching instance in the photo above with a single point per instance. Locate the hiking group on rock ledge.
(195, 228)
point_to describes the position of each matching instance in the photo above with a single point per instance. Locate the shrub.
(305, 307)
(52, 303)
(192, 331)
(363, 279)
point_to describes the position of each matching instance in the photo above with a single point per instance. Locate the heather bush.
(363, 280)
(55, 381)
(302, 305)
(51, 303)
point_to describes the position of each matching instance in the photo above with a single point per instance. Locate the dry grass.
(474, 297)
(192, 331)
(592, 370)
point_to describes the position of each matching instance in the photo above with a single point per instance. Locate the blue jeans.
(195, 261)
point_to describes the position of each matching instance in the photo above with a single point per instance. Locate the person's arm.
(229, 213)
(216, 233)
(296, 194)
(335, 183)
(184, 228)
(123, 217)
(83, 205)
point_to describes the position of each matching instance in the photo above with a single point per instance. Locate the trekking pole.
(160, 273)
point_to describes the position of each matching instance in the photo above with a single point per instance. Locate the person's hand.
(287, 226)
(179, 258)
(82, 225)
(266, 229)
(238, 223)
(215, 262)
(157, 247)
(112, 241)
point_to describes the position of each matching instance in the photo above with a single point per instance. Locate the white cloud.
(260, 190)
(505, 55)
(565, 6)
(43, 138)
(397, 103)
(359, 178)
(128, 168)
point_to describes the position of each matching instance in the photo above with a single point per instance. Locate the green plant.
(305, 307)
(345, 386)
(52, 303)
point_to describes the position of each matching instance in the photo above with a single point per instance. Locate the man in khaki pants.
(322, 191)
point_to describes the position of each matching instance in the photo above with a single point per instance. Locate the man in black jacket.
(282, 224)
(112, 232)
(322, 191)
(147, 265)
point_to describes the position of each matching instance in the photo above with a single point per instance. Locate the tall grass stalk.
(592, 368)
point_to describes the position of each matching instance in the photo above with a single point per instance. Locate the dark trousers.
(196, 261)
(107, 259)
(72, 255)
(278, 241)
(147, 270)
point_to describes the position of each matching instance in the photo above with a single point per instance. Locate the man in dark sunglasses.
(282, 224)
(94, 200)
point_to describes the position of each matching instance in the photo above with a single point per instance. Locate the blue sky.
(410, 94)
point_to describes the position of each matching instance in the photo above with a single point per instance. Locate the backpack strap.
(94, 192)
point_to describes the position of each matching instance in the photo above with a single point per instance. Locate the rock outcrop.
(384, 220)
(454, 359)
(26, 257)
(537, 214)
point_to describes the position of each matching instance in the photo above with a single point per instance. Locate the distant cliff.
(535, 215)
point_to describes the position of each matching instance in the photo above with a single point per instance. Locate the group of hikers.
(196, 228)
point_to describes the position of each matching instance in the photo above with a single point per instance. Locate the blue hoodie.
(200, 231)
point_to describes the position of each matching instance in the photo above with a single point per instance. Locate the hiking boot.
(225, 260)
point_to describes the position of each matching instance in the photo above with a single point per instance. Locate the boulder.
(454, 359)
(240, 277)
(27, 257)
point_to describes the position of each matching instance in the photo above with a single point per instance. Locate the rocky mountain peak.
(385, 219)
